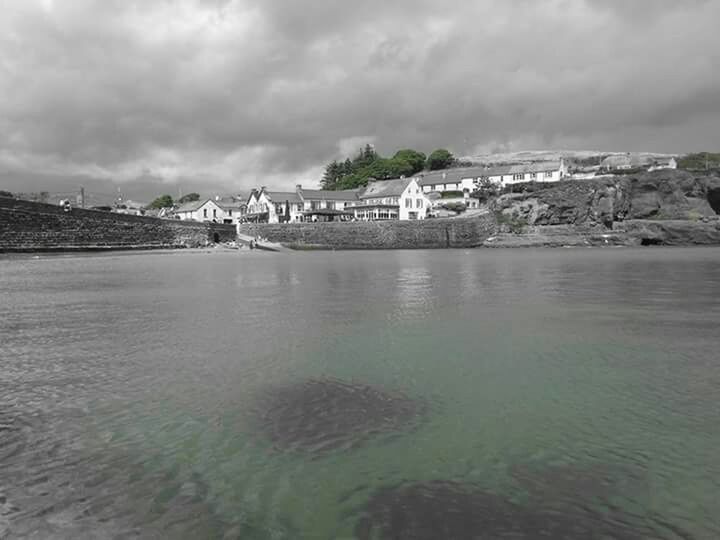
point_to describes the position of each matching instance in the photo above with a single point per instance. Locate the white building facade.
(207, 210)
(467, 180)
(400, 198)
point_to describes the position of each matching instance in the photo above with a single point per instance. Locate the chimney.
(298, 187)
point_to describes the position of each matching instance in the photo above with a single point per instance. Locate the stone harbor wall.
(424, 234)
(31, 226)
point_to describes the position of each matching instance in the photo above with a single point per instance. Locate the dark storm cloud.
(242, 92)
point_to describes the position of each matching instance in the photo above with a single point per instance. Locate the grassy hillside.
(700, 161)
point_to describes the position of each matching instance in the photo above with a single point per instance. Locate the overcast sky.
(221, 95)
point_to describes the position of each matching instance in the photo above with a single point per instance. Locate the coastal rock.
(670, 232)
(455, 511)
(660, 195)
(322, 415)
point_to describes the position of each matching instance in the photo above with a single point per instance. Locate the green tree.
(440, 159)
(163, 201)
(190, 197)
(333, 173)
(364, 158)
(4, 193)
(416, 160)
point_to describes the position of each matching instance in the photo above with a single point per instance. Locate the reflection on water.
(445, 394)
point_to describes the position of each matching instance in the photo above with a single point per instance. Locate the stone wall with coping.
(425, 234)
(31, 226)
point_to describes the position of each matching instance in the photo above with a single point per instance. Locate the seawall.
(29, 226)
(425, 234)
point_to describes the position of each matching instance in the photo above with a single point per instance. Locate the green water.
(571, 381)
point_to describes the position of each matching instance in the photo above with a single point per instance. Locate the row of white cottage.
(402, 198)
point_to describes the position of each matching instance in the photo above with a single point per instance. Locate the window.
(204, 212)
(533, 176)
(408, 203)
(214, 213)
(548, 175)
(518, 176)
(419, 203)
(230, 213)
(299, 207)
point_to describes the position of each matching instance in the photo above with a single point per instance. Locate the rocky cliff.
(663, 207)
(660, 195)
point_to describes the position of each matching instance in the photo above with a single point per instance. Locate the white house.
(207, 210)
(663, 163)
(400, 198)
(132, 208)
(234, 208)
(469, 179)
(322, 199)
(274, 206)
(549, 171)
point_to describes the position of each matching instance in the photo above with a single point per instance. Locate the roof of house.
(231, 203)
(328, 195)
(625, 161)
(454, 176)
(448, 176)
(191, 206)
(283, 196)
(385, 188)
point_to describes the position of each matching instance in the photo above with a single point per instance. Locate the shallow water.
(467, 394)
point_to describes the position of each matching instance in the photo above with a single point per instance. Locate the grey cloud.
(229, 92)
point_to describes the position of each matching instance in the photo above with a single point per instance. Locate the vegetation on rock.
(700, 161)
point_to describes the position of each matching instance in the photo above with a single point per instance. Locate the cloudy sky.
(220, 95)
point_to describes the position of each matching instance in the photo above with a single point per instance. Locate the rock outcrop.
(664, 207)
(660, 195)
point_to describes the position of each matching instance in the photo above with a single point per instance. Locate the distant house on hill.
(469, 179)
(634, 162)
(130, 207)
(663, 163)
